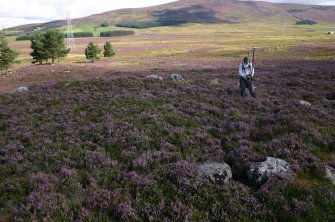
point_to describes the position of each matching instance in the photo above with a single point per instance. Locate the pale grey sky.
(17, 12)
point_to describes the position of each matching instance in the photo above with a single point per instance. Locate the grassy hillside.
(205, 41)
(204, 11)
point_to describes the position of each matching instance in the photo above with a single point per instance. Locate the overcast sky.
(17, 12)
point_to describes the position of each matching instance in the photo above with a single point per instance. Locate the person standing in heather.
(246, 72)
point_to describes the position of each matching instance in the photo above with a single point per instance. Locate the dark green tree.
(92, 51)
(104, 24)
(108, 50)
(7, 55)
(54, 45)
(39, 52)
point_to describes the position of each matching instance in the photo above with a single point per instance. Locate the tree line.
(113, 33)
(49, 46)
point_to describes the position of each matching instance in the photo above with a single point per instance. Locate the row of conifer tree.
(49, 46)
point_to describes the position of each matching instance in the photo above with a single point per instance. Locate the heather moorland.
(120, 140)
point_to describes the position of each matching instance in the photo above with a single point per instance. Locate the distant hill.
(201, 11)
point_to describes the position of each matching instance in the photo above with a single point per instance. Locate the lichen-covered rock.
(177, 78)
(22, 89)
(330, 174)
(258, 173)
(154, 77)
(219, 173)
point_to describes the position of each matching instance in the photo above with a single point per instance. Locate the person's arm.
(240, 71)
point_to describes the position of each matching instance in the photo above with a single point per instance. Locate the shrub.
(7, 55)
(108, 50)
(92, 51)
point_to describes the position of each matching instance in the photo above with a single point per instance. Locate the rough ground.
(118, 146)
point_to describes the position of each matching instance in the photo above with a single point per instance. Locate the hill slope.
(203, 11)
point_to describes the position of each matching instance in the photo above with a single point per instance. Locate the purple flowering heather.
(100, 199)
(67, 172)
(126, 210)
(123, 148)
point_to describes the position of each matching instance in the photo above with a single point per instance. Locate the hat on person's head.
(246, 59)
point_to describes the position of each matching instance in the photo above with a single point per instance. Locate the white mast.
(70, 39)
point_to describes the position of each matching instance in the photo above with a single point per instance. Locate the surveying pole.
(253, 55)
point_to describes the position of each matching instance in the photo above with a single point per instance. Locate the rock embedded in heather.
(22, 89)
(304, 103)
(259, 172)
(158, 77)
(177, 78)
(218, 173)
(214, 82)
(330, 174)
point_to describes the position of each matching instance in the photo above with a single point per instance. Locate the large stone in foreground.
(258, 173)
(219, 173)
(330, 174)
(177, 78)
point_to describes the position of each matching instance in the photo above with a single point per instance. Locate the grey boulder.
(258, 173)
(154, 77)
(22, 89)
(218, 173)
(330, 174)
(177, 78)
(304, 103)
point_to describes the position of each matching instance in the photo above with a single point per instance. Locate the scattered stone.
(214, 82)
(154, 77)
(219, 173)
(330, 174)
(67, 84)
(304, 103)
(177, 78)
(259, 172)
(22, 89)
(52, 70)
(67, 71)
